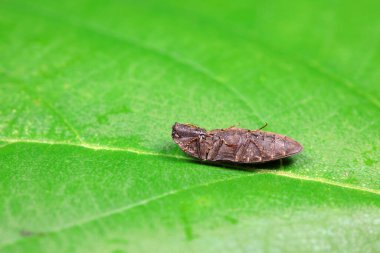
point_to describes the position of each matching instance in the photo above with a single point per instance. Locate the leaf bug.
(233, 144)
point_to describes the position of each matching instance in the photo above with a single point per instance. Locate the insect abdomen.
(256, 147)
(266, 146)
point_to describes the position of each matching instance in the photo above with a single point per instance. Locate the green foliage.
(89, 91)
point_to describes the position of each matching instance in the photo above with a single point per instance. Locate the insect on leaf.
(89, 91)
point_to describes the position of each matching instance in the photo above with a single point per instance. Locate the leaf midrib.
(194, 67)
(10, 141)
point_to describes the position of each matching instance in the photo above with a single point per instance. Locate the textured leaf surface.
(89, 91)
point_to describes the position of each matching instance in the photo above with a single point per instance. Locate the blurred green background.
(89, 91)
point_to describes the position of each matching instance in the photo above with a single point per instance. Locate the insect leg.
(198, 140)
(241, 154)
(228, 145)
(199, 148)
(258, 148)
(191, 141)
(214, 150)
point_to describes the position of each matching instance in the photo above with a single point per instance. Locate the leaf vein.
(55, 112)
(153, 50)
(149, 153)
(178, 191)
(281, 55)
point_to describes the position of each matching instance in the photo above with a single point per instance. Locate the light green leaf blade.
(89, 91)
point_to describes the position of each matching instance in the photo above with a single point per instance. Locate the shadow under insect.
(272, 165)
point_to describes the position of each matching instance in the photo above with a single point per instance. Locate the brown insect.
(233, 144)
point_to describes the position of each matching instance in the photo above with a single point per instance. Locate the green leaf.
(90, 90)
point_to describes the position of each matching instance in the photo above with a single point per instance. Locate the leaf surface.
(90, 90)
